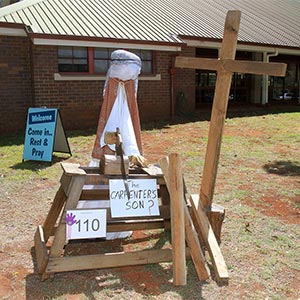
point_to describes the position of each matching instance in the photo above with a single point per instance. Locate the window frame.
(73, 58)
(91, 59)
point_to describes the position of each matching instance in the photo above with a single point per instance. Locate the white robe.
(120, 118)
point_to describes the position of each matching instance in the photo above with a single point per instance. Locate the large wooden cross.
(225, 66)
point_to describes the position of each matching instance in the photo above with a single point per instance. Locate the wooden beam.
(230, 65)
(92, 179)
(190, 232)
(195, 247)
(206, 231)
(75, 189)
(72, 169)
(177, 219)
(254, 67)
(216, 217)
(219, 110)
(108, 260)
(55, 210)
(40, 248)
(137, 225)
(197, 63)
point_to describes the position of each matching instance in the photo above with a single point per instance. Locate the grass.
(257, 183)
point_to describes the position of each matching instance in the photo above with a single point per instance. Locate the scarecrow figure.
(119, 109)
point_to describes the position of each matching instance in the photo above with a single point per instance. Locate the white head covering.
(124, 65)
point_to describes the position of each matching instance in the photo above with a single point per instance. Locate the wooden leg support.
(40, 249)
(210, 241)
(216, 217)
(191, 235)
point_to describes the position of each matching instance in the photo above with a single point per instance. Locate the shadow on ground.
(39, 165)
(134, 281)
(283, 168)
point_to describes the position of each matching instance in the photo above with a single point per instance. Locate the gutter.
(265, 88)
(13, 29)
(62, 40)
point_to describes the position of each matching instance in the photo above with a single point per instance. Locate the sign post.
(44, 135)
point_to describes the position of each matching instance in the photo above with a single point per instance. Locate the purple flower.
(70, 219)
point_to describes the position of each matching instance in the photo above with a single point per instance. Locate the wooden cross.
(225, 66)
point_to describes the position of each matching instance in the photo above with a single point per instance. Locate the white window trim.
(65, 77)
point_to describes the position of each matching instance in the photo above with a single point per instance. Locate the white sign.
(85, 224)
(143, 200)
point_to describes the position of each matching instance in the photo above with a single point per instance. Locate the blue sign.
(40, 134)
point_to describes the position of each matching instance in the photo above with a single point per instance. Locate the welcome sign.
(44, 134)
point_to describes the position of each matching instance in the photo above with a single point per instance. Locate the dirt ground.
(19, 278)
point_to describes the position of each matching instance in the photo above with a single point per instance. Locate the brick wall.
(15, 83)
(154, 97)
(80, 101)
(184, 82)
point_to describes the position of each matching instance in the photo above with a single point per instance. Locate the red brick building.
(56, 54)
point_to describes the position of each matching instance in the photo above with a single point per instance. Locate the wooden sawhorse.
(52, 259)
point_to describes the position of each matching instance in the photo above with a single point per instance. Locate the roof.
(264, 22)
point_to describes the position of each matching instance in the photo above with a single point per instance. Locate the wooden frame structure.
(72, 189)
(194, 220)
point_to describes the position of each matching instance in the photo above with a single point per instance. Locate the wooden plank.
(65, 181)
(92, 179)
(75, 189)
(104, 179)
(230, 65)
(132, 225)
(193, 214)
(55, 210)
(95, 194)
(72, 169)
(216, 217)
(254, 67)
(153, 170)
(195, 247)
(40, 248)
(59, 241)
(219, 110)
(108, 260)
(190, 232)
(112, 165)
(135, 225)
(177, 219)
(164, 213)
(197, 63)
(219, 265)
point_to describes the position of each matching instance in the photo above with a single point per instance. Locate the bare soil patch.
(258, 184)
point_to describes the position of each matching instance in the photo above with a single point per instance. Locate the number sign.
(143, 200)
(85, 224)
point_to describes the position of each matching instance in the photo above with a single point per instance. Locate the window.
(73, 59)
(147, 60)
(286, 88)
(96, 60)
(102, 59)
